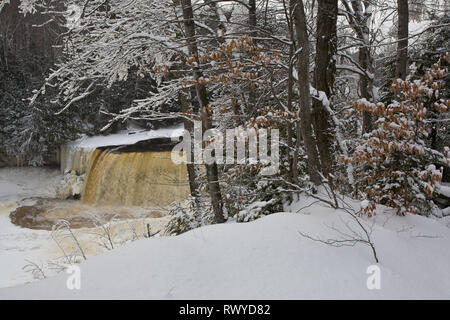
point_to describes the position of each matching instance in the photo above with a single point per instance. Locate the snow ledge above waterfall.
(126, 137)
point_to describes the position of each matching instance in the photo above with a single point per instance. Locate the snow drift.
(266, 259)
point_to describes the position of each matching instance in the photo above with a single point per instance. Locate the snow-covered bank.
(266, 259)
(18, 244)
(18, 183)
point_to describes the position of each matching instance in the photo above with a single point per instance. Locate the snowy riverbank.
(20, 244)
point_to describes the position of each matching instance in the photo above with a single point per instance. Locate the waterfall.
(134, 179)
(73, 158)
(124, 169)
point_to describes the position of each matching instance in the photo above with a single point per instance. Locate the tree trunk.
(218, 25)
(365, 87)
(365, 60)
(304, 127)
(402, 45)
(290, 134)
(184, 103)
(359, 16)
(324, 75)
(252, 17)
(253, 33)
(211, 169)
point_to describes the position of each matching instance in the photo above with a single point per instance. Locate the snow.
(162, 40)
(444, 190)
(17, 183)
(416, 27)
(365, 204)
(126, 137)
(18, 244)
(267, 259)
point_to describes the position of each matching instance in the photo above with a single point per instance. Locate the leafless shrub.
(349, 236)
(149, 233)
(132, 228)
(36, 270)
(105, 233)
(57, 265)
(62, 231)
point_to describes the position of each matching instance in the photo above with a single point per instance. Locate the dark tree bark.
(365, 86)
(216, 25)
(365, 59)
(402, 45)
(253, 33)
(202, 95)
(252, 16)
(293, 176)
(304, 126)
(184, 103)
(358, 15)
(324, 75)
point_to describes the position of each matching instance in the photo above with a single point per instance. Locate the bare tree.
(358, 14)
(349, 236)
(304, 125)
(402, 45)
(288, 12)
(202, 95)
(252, 16)
(326, 46)
(183, 97)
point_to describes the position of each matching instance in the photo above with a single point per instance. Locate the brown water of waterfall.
(148, 179)
(43, 213)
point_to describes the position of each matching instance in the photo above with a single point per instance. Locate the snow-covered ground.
(19, 244)
(268, 259)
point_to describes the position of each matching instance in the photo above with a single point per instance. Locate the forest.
(355, 93)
